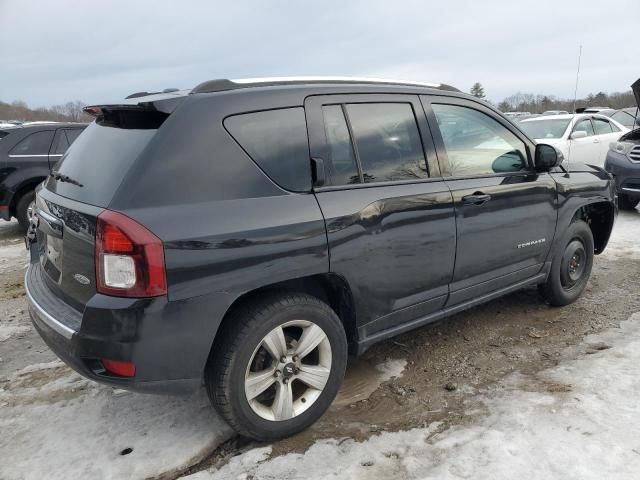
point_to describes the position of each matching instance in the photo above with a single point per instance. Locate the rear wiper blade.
(61, 177)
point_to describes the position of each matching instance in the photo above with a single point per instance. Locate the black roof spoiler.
(164, 102)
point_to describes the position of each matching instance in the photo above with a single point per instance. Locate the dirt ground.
(444, 363)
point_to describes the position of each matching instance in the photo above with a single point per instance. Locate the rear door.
(33, 150)
(505, 211)
(606, 132)
(389, 215)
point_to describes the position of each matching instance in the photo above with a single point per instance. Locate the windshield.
(545, 128)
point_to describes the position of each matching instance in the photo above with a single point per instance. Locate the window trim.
(318, 144)
(443, 158)
(24, 155)
(593, 123)
(587, 119)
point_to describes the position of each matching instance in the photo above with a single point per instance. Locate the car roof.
(47, 125)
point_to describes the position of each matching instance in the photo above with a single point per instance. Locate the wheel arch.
(599, 216)
(24, 187)
(331, 288)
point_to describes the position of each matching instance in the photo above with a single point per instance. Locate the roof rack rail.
(223, 84)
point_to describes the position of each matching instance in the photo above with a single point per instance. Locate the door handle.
(477, 198)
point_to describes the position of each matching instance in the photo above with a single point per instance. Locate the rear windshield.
(538, 129)
(98, 160)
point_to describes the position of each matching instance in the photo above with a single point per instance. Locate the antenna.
(575, 97)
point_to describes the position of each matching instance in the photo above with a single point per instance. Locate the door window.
(387, 141)
(72, 134)
(476, 144)
(277, 141)
(584, 126)
(624, 118)
(60, 143)
(35, 144)
(343, 169)
(602, 127)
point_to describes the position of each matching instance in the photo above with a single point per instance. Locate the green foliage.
(477, 90)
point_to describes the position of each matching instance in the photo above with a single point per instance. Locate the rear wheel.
(277, 366)
(24, 209)
(571, 266)
(626, 203)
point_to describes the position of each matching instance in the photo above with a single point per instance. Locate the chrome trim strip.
(22, 156)
(627, 189)
(51, 322)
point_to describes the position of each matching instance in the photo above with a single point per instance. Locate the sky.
(101, 51)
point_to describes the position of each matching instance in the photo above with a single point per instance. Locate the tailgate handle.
(49, 224)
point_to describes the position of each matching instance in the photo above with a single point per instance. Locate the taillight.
(129, 258)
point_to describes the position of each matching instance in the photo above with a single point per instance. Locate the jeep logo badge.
(81, 279)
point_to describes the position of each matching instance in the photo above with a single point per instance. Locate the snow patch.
(624, 238)
(13, 257)
(391, 368)
(8, 331)
(578, 420)
(56, 424)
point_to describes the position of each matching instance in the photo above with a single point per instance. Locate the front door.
(389, 215)
(585, 149)
(505, 211)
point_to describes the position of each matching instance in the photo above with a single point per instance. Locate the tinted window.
(35, 144)
(72, 134)
(584, 126)
(342, 163)
(624, 118)
(277, 142)
(99, 161)
(60, 143)
(388, 142)
(476, 144)
(602, 127)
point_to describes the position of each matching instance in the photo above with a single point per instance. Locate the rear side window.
(60, 143)
(387, 141)
(602, 127)
(624, 118)
(277, 141)
(37, 143)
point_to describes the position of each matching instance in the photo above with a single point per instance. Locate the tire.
(570, 267)
(25, 203)
(240, 356)
(626, 203)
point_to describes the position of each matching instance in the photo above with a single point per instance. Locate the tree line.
(529, 102)
(68, 112)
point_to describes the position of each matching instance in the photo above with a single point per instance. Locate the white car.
(581, 137)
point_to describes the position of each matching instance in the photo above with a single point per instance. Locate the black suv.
(623, 161)
(248, 235)
(27, 155)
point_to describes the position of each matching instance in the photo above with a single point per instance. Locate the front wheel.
(277, 365)
(570, 267)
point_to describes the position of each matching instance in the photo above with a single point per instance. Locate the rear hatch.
(81, 188)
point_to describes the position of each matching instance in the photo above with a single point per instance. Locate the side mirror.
(578, 134)
(547, 157)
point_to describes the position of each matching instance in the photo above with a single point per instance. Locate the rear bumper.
(154, 334)
(625, 173)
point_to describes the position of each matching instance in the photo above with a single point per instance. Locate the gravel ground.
(58, 425)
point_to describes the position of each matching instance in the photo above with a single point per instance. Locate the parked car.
(27, 155)
(623, 162)
(555, 112)
(629, 117)
(580, 137)
(249, 234)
